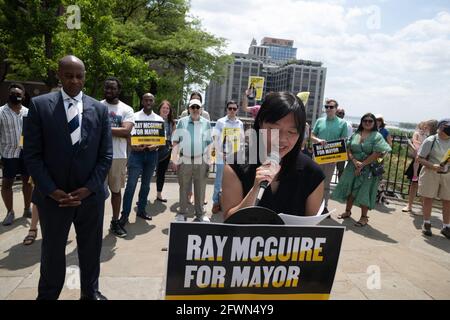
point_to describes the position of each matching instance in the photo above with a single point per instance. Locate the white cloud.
(367, 70)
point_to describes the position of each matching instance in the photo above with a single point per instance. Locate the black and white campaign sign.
(226, 261)
(331, 152)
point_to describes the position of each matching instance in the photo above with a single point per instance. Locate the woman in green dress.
(358, 184)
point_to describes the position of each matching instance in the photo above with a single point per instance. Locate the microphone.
(274, 160)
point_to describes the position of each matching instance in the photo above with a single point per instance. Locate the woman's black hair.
(372, 116)
(276, 106)
(196, 93)
(170, 115)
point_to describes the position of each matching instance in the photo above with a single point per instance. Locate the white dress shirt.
(78, 103)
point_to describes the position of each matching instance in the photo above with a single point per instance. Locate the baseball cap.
(195, 102)
(445, 122)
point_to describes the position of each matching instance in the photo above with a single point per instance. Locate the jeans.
(218, 182)
(142, 164)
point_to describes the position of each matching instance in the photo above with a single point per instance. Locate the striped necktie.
(74, 123)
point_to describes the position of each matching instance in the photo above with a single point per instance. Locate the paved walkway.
(411, 266)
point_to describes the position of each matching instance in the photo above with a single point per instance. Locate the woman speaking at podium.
(295, 183)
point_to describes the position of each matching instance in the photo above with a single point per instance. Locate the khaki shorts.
(117, 175)
(434, 185)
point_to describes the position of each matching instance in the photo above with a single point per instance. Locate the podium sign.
(245, 262)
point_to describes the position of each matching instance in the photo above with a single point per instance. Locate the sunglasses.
(232, 109)
(195, 107)
(329, 107)
(340, 114)
(367, 121)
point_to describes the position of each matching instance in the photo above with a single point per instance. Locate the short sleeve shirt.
(189, 133)
(435, 153)
(330, 130)
(118, 114)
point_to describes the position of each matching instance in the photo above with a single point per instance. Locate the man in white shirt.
(121, 117)
(11, 145)
(228, 137)
(141, 163)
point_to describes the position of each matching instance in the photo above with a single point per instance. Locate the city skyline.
(379, 59)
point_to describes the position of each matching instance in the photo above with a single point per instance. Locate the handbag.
(377, 168)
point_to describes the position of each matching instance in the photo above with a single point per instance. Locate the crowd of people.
(74, 152)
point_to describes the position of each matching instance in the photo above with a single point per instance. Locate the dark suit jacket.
(49, 156)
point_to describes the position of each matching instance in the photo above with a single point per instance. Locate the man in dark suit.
(68, 152)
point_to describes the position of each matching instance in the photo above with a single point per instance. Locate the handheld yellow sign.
(232, 136)
(256, 87)
(148, 133)
(333, 151)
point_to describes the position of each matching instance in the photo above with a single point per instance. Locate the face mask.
(15, 99)
(447, 130)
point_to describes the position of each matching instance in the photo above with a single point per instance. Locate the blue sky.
(383, 56)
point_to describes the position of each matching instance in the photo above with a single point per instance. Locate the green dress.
(363, 188)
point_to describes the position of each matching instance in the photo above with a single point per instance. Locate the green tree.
(149, 44)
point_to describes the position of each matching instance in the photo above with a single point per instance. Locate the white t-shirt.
(118, 114)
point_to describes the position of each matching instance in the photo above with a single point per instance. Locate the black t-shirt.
(293, 190)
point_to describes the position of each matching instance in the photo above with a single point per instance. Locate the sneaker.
(426, 229)
(116, 229)
(202, 218)
(180, 217)
(216, 208)
(9, 219)
(27, 213)
(446, 232)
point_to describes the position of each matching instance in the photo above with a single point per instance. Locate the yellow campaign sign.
(148, 133)
(255, 87)
(136, 141)
(446, 157)
(232, 136)
(331, 152)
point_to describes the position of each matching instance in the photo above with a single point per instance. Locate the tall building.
(294, 76)
(279, 50)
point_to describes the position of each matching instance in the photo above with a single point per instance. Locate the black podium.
(255, 215)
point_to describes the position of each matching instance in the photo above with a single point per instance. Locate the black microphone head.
(264, 184)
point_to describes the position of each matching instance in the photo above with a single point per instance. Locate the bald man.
(141, 163)
(68, 152)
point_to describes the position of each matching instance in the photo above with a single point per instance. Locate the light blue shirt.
(193, 136)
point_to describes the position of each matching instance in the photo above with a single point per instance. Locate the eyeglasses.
(367, 121)
(232, 109)
(329, 107)
(195, 107)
